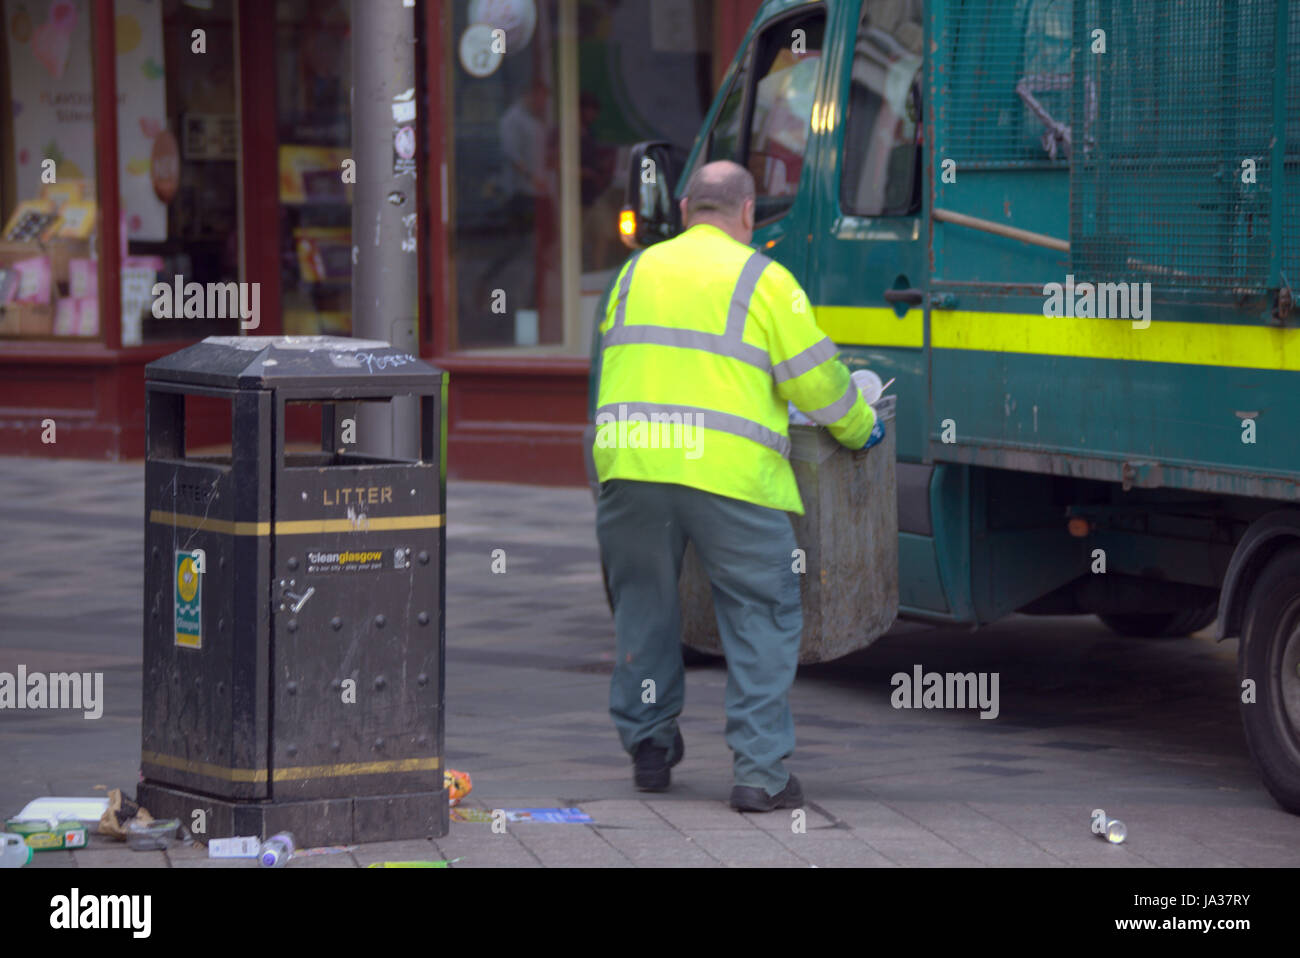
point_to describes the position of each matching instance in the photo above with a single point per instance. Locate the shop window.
(882, 151)
(623, 46)
(506, 135)
(49, 274)
(540, 135)
(313, 46)
(178, 141)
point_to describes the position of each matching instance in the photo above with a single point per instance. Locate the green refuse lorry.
(1067, 230)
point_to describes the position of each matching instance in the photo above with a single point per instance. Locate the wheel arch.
(1266, 536)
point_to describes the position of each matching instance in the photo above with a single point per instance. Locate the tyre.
(1163, 625)
(1269, 656)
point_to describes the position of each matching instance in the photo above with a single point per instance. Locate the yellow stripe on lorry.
(1164, 341)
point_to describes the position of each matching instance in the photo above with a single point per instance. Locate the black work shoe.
(748, 798)
(652, 766)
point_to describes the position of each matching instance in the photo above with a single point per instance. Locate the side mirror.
(650, 213)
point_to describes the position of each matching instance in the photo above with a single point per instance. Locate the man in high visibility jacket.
(703, 342)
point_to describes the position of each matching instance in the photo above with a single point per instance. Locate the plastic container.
(868, 384)
(86, 810)
(152, 836)
(14, 852)
(277, 850)
(46, 835)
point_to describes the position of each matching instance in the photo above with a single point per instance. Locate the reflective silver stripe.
(800, 363)
(709, 419)
(742, 294)
(836, 410)
(689, 339)
(729, 343)
(620, 310)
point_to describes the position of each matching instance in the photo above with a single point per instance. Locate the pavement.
(1146, 729)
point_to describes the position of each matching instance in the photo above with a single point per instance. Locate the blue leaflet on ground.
(574, 816)
(554, 816)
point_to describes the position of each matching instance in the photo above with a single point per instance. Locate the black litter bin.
(293, 621)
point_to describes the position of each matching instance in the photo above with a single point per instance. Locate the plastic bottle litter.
(1111, 829)
(277, 850)
(14, 852)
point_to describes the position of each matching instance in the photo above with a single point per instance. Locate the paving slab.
(747, 847)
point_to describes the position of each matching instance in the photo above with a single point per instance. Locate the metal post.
(385, 277)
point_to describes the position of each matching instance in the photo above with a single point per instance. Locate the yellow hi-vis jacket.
(703, 342)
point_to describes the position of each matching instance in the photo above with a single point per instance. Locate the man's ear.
(747, 214)
(682, 206)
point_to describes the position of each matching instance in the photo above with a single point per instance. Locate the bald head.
(721, 194)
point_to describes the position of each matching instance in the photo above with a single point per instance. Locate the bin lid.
(271, 362)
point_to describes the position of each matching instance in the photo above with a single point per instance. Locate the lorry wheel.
(1161, 624)
(690, 656)
(1270, 656)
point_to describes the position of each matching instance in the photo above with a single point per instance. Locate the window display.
(507, 179)
(177, 152)
(540, 132)
(47, 164)
(314, 76)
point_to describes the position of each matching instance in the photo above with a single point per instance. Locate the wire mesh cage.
(1178, 120)
(1004, 82)
(1178, 188)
